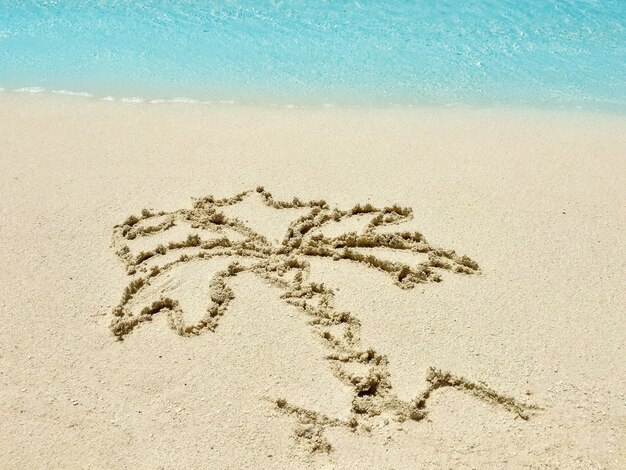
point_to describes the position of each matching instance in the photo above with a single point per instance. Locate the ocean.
(553, 54)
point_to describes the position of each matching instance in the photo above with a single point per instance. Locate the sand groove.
(285, 265)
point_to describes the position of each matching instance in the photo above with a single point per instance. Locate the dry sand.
(408, 356)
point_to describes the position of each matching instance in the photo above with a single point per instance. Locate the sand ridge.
(285, 266)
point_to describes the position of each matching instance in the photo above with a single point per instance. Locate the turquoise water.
(537, 53)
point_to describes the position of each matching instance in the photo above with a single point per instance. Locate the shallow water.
(536, 53)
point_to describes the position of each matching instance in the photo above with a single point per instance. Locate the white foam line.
(180, 99)
(107, 98)
(29, 89)
(132, 99)
(183, 99)
(73, 93)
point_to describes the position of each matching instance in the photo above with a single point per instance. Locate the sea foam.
(30, 89)
(84, 94)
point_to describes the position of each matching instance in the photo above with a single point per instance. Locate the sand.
(446, 290)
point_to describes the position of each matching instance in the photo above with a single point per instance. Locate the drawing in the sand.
(286, 266)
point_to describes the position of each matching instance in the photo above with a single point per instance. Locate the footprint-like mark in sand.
(208, 233)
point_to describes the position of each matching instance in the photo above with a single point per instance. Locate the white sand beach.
(516, 361)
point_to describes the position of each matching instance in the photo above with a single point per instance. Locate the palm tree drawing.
(286, 265)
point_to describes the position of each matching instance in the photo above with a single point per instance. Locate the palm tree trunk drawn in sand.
(285, 265)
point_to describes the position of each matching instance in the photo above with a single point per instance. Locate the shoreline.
(261, 103)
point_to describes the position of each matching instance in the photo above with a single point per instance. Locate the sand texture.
(188, 286)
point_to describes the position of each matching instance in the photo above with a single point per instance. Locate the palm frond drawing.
(286, 265)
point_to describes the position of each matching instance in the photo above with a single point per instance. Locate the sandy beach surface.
(513, 357)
